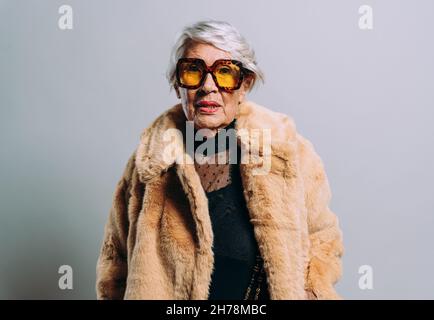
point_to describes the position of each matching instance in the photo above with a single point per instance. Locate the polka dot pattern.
(214, 175)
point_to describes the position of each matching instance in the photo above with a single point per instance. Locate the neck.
(220, 140)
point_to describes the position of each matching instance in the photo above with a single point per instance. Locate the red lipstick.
(207, 107)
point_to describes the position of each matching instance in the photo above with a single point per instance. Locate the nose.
(209, 84)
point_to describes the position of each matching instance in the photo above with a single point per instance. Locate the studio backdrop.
(80, 80)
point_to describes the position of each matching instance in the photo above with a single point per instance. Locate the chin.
(208, 123)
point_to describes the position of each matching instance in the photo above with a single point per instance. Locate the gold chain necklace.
(258, 270)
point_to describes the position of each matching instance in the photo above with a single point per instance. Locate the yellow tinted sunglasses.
(227, 74)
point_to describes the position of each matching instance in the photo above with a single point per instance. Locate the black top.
(235, 247)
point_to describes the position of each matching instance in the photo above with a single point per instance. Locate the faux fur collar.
(151, 161)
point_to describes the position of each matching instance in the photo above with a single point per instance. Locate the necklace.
(257, 276)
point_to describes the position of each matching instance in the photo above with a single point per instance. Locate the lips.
(206, 106)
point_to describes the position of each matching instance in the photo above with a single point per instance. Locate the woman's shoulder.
(283, 129)
(256, 116)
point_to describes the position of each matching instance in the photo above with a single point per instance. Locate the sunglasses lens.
(227, 75)
(190, 73)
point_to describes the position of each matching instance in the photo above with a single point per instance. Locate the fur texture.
(158, 238)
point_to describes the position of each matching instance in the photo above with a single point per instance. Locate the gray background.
(73, 104)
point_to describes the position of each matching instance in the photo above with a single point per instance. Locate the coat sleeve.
(112, 269)
(326, 246)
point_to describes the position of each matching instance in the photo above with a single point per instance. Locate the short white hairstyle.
(221, 35)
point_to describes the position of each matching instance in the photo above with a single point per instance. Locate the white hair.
(221, 35)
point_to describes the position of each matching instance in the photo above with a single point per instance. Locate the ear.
(178, 94)
(245, 87)
(248, 82)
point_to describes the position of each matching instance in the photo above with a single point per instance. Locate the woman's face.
(227, 101)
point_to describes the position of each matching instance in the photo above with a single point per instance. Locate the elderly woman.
(239, 218)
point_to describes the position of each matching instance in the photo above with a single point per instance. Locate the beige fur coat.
(158, 238)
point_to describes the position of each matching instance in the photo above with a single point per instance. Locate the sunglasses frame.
(243, 72)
